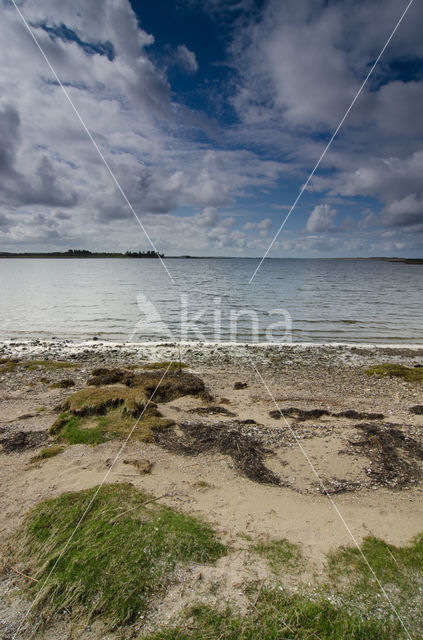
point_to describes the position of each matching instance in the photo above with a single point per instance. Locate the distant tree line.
(82, 253)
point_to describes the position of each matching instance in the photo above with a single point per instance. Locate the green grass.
(391, 564)
(117, 561)
(278, 616)
(280, 554)
(94, 430)
(68, 429)
(391, 370)
(48, 452)
(398, 569)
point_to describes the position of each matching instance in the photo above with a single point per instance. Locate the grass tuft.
(76, 429)
(277, 615)
(398, 569)
(117, 560)
(48, 452)
(280, 554)
(8, 365)
(391, 370)
(66, 383)
(98, 400)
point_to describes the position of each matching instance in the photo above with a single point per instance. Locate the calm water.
(119, 300)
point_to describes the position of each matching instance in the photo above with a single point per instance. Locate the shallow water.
(120, 300)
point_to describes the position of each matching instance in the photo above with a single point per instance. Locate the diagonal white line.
(87, 131)
(331, 500)
(14, 637)
(316, 166)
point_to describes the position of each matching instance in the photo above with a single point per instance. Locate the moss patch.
(411, 374)
(117, 561)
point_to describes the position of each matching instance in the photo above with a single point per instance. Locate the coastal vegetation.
(48, 452)
(280, 554)
(117, 400)
(8, 365)
(394, 370)
(125, 552)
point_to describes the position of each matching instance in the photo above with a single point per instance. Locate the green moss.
(48, 452)
(117, 560)
(280, 554)
(391, 370)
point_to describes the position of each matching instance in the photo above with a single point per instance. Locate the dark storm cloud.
(9, 137)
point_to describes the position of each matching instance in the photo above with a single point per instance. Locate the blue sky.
(211, 116)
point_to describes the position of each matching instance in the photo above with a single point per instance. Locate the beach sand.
(331, 489)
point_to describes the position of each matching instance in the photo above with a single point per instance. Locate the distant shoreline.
(78, 255)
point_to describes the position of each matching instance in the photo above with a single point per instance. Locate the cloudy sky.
(211, 114)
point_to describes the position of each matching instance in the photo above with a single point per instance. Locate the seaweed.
(228, 438)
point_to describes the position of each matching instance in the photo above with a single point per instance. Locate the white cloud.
(321, 219)
(186, 59)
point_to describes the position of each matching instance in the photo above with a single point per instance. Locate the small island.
(83, 253)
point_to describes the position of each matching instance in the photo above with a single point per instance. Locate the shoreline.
(346, 354)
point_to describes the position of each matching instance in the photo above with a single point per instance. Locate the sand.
(209, 484)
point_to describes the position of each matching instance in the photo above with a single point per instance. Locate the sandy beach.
(339, 457)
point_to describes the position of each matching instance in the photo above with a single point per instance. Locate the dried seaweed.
(22, 440)
(307, 414)
(395, 458)
(228, 438)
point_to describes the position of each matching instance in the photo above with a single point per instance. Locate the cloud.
(264, 225)
(185, 59)
(295, 68)
(10, 136)
(321, 219)
(208, 218)
(405, 212)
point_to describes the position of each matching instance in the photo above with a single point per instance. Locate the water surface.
(122, 299)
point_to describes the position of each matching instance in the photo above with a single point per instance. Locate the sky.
(211, 115)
